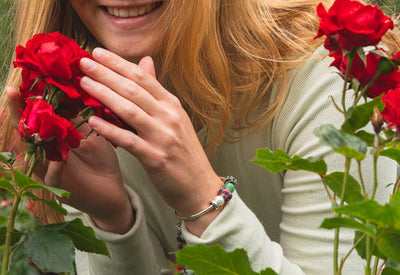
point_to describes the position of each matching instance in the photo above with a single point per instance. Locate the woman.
(224, 79)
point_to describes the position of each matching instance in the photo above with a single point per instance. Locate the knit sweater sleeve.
(136, 252)
(303, 246)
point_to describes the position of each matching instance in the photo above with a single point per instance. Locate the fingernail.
(93, 122)
(87, 64)
(99, 53)
(86, 82)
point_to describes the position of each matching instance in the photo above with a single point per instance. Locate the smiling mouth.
(133, 11)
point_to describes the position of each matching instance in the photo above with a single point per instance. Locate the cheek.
(86, 11)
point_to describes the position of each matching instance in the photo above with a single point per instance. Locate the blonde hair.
(220, 57)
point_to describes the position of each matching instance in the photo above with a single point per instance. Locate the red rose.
(40, 125)
(338, 61)
(391, 113)
(385, 82)
(50, 64)
(350, 24)
(363, 73)
(54, 58)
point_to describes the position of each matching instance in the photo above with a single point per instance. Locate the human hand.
(166, 143)
(91, 174)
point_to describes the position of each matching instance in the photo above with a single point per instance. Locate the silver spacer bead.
(218, 201)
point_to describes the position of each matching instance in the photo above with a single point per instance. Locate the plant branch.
(375, 268)
(331, 198)
(337, 230)
(348, 253)
(10, 229)
(361, 179)
(396, 186)
(376, 154)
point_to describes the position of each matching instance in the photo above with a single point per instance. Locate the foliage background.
(6, 37)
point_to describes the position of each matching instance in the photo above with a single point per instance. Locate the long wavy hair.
(220, 57)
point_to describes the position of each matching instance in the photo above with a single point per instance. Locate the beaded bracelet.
(226, 192)
(224, 195)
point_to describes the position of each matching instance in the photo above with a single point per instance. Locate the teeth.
(123, 13)
(132, 12)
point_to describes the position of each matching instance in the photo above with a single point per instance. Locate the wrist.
(119, 223)
(196, 223)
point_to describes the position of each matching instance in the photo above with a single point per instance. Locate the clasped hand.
(165, 143)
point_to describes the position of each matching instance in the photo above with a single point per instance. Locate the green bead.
(230, 186)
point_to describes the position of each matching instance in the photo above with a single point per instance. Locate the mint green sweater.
(274, 217)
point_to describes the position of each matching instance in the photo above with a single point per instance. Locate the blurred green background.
(5, 38)
(6, 48)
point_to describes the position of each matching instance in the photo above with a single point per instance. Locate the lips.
(133, 11)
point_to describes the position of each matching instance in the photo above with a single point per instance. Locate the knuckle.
(175, 102)
(138, 74)
(171, 140)
(128, 111)
(159, 160)
(129, 143)
(173, 118)
(132, 90)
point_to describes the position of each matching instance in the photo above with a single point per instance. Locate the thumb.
(147, 64)
(14, 103)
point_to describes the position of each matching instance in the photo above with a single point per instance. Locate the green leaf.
(385, 65)
(5, 184)
(279, 161)
(393, 153)
(52, 203)
(7, 158)
(20, 264)
(15, 236)
(361, 115)
(368, 210)
(25, 182)
(336, 222)
(360, 248)
(360, 52)
(367, 137)
(50, 250)
(341, 142)
(390, 271)
(389, 244)
(394, 206)
(214, 260)
(268, 271)
(82, 236)
(353, 190)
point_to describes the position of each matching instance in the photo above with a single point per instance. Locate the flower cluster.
(353, 34)
(53, 95)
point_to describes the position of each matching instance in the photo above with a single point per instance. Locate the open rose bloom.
(40, 125)
(350, 27)
(53, 95)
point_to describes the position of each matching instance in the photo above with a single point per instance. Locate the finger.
(122, 107)
(15, 103)
(132, 71)
(53, 174)
(123, 138)
(119, 84)
(147, 64)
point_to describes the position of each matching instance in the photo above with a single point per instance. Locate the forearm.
(238, 227)
(135, 251)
